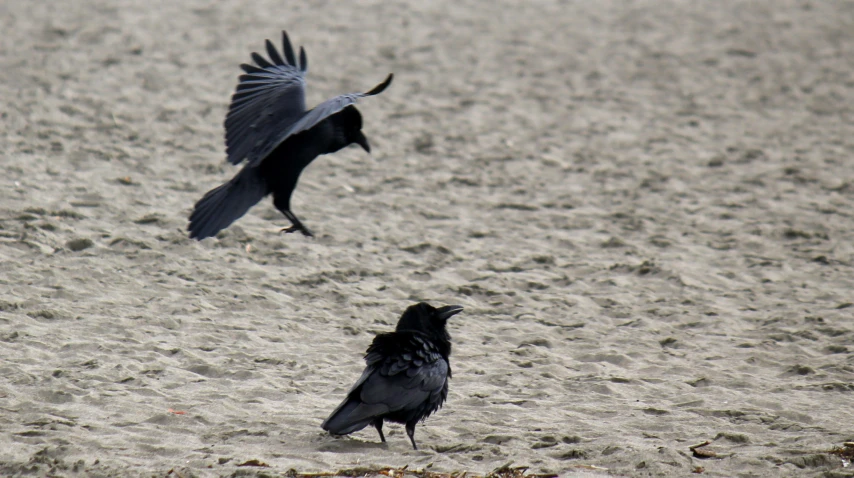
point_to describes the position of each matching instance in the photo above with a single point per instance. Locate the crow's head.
(347, 122)
(348, 129)
(424, 318)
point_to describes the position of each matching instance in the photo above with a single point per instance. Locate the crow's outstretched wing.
(269, 97)
(283, 127)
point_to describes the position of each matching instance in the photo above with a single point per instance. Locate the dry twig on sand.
(699, 452)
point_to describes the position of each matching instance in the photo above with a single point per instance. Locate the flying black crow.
(406, 378)
(268, 126)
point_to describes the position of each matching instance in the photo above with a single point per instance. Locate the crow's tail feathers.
(351, 416)
(223, 205)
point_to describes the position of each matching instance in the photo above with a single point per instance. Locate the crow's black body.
(268, 126)
(406, 378)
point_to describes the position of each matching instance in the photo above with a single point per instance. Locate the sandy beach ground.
(644, 206)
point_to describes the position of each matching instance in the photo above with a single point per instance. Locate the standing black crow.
(406, 378)
(268, 126)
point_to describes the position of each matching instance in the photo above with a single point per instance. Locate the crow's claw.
(296, 228)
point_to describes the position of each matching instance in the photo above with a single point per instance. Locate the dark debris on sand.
(504, 471)
(846, 451)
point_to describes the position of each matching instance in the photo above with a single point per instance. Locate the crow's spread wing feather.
(282, 127)
(269, 97)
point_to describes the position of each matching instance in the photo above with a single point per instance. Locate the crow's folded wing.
(406, 382)
(379, 392)
(271, 94)
(283, 127)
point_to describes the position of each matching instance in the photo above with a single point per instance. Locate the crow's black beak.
(362, 141)
(448, 311)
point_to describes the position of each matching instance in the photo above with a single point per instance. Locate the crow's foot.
(297, 228)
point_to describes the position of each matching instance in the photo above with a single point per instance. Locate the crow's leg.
(410, 430)
(283, 204)
(296, 225)
(378, 424)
